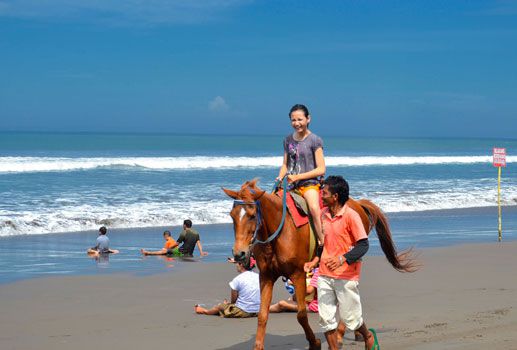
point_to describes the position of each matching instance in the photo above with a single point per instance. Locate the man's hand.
(332, 263)
(204, 254)
(309, 266)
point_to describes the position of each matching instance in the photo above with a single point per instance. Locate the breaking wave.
(62, 164)
(76, 216)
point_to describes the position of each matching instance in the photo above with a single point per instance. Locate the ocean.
(58, 186)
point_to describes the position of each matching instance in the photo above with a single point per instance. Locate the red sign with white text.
(499, 157)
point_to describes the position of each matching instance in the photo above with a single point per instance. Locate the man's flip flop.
(375, 345)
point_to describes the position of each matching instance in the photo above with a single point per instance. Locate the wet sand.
(464, 297)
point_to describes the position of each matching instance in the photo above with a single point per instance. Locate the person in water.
(102, 244)
(190, 238)
(169, 248)
(304, 163)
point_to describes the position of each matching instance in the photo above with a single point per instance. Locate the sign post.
(499, 161)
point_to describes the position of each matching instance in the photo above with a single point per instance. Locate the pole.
(499, 202)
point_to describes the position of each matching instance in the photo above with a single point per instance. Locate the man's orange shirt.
(170, 243)
(341, 233)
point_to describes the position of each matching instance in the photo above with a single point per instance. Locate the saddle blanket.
(299, 217)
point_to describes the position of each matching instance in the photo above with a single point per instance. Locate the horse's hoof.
(316, 345)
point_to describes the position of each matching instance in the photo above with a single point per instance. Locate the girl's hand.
(292, 178)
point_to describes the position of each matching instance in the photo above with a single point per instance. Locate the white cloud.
(117, 11)
(218, 104)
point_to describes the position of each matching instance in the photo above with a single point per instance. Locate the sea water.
(74, 182)
(66, 183)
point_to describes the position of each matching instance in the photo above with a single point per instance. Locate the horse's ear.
(253, 183)
(257, 194)
(232, 194)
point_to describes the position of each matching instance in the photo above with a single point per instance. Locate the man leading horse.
(281, 249)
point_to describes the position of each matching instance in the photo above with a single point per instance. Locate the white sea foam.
(49, 164)
(84, 217)
(81, 217)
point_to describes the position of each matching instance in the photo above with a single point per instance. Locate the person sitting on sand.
(290, 305)
(102, 246)
(169, 248)
(190, 238)
(244, 298)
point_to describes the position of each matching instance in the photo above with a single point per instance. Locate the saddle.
(299, 211)
(297, 207)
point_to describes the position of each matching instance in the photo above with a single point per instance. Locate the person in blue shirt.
(102, 244)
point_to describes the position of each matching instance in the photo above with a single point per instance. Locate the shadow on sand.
(289, 342)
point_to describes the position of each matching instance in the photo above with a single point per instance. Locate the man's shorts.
(339, 300)
(232, 311)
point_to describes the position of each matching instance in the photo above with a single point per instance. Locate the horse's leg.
(266, 293)
(300, 290)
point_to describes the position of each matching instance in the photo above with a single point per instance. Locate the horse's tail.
(402, 262)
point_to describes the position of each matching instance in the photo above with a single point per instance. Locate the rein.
(254, 239)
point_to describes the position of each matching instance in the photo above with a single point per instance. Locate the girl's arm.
(283, 168)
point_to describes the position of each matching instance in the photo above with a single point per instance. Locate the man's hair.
(338, 185)
(187, 223)
(103, 230)
(167, 233)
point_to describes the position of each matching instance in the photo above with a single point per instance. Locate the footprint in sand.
(436, 325)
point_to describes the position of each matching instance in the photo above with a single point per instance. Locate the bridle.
(258, 215)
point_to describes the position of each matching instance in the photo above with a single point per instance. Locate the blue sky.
(364, 68)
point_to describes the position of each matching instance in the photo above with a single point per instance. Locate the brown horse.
(256, 212)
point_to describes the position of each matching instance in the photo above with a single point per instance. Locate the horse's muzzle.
(239, 256)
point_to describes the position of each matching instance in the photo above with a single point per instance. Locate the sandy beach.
(140, 116)
(464, 297)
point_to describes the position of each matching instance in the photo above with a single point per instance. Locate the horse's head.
(246, 217)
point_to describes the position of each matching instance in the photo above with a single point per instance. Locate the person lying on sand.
(244, 298)
(169, 248)
(102, 246)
